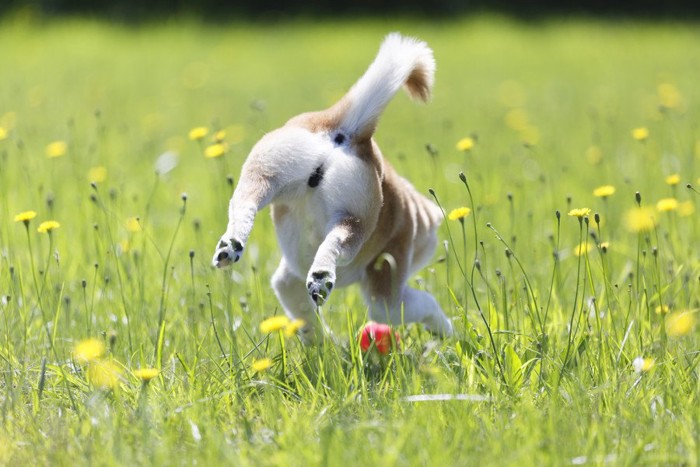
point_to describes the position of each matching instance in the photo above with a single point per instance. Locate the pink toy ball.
(379, 334)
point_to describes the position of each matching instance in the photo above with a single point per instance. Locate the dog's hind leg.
(391, 300)
(292, 294)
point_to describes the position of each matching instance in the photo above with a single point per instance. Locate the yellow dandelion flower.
(97, 174)
(48, 226)
(640, 134)
(3, 133)
(594, 155)
(56, 149)
(459, 213)
(686, 208)
(8, 120)
(465, 144)
(215, 150)
(582, 249)
(292, 328)
(662, 310)
(530, 135)
(124, 245)
(667, 204)
(133, 224)
(219, 136)
(274, 324)
(604, 191)
(679, 323)
(517, 119)
(25, 216)
(580, 212)
(89, 350)
(146, 374)
(673, 179)
(104, 374)
(669, 95)
(642, 365)
(260, 365)
(640, 219)
(198, 133)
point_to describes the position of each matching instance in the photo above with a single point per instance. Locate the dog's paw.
(320, 284)
(228, 251)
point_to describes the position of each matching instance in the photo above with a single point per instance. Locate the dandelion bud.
(184, 197)
(463, 177)
(510, 196)
(83, 283)
(568, 200)
(49, 201)
(508, 253)
(477, 264)
(488, 224)
(93, 198)
(585, 219)
(197, 224)
(191, 254)
(431, 191)
(638, 198)
(654, 252)
(95, 227)
(558, 214)
(596, 217)
(106, 280)
(229, 180)
(498, 273)
(93, 185)
(112, 339)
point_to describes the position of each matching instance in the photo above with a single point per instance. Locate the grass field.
(576, 340)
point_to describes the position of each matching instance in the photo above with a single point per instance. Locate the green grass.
(541, 370)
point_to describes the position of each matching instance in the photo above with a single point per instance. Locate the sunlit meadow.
(565, 155)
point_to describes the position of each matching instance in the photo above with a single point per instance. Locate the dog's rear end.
(341, 212)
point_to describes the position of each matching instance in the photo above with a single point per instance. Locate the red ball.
(380, 335)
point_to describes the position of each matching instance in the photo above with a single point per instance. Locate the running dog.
(341, 213)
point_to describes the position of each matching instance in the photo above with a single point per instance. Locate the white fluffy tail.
(401, 61)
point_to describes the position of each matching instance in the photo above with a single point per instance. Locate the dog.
(341, 212)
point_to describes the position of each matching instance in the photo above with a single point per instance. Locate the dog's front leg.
(340, 246)
(252, 194)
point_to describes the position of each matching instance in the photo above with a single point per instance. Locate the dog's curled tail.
(401, 62)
